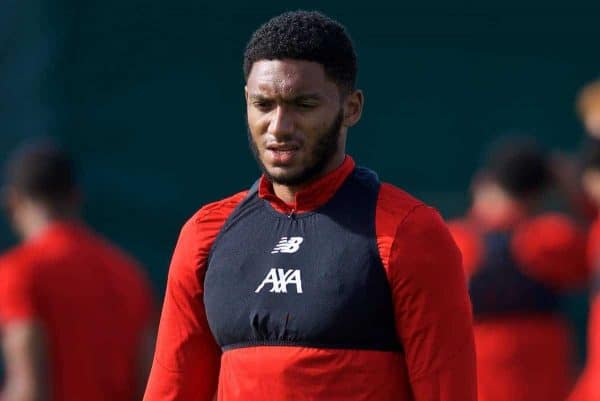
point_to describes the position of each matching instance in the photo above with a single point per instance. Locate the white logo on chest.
(280, 278)
(288, 245)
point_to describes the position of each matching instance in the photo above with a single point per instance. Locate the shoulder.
(418, 251)
(404, 223)
(395, 203)
(18, 283)
(551, 219)
(199, 233)
(99, 247)
(212, 216)
(19, 259)
(221, 207)
(127, 269)
(551, 247)
(547, 230)
(398, 211)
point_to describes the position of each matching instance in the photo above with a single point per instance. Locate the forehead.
(288, 78)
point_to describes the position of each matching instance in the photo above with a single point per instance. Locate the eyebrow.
(304, 96)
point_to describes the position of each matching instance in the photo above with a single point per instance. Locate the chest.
(309, 280)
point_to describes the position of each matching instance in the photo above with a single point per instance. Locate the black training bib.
(313, 279)
(500, 286)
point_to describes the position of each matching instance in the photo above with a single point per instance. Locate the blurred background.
(148, 97)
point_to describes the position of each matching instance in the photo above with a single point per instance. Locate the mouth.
(283, 147)
(282, 153)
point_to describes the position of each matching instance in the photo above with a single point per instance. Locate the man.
(567, 168)
(518, 261)
(588, 388)
(75, 312)
(319, 283)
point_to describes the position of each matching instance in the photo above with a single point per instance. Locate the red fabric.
(311, 197)
(593, 246)
(469, 242)
(298, 373)
(430, 299)
(512, 352)
(527, 358)
(550, 247)
(93, 303)
(588, 387)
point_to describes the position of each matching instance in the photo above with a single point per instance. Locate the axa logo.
(288, 245)
(280, 279)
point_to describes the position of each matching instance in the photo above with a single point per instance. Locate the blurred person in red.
(518, 261)
(588, 385)
(320, 282)
(567, 167)
(76, 313)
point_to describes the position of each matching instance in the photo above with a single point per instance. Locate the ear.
(353, 107)
(246, 93)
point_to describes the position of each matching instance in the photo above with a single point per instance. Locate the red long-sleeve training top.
(525, 355)
(431, 307)
(588, 387)
(94, 304)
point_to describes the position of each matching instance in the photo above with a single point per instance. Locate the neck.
(288, 193)
(38, 221)
(500, 213)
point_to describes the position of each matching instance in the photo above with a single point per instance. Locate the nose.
(282, 122)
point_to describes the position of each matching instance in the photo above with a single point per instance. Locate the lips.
(283, 147)
(282, 153)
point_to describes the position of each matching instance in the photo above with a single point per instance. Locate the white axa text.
(280, 278)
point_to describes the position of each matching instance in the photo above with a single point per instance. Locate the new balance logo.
(280, 278)
(288, 245)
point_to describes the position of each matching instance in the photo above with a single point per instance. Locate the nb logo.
(280, 278)
(288, 245)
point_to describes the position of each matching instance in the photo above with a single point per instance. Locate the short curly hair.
(309, 36)
(41, 170)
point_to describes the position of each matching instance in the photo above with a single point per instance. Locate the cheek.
(256, 125)
(316, 126)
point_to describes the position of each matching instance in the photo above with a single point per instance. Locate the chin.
(289, 178)
(282, 176)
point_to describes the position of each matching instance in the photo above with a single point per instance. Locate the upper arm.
(23, 344)
(18, 300)
(24, 352)
(187, 357)
(432, 307)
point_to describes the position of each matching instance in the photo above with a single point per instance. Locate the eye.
(306, 105)
(263, 105)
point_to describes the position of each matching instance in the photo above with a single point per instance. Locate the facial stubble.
(324, 150)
